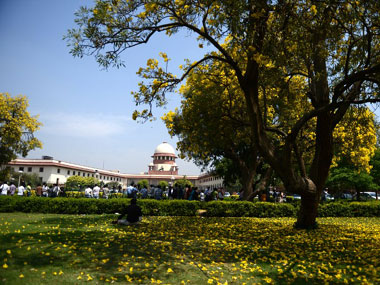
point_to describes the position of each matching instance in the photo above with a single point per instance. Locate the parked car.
(366, 196)
(370, 194)
(226, 195)
(296, 197)
(347, 196)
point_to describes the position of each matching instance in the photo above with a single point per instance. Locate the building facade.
(162, 168)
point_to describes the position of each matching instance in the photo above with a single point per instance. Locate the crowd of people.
(157, 192)
(132, 191)
(9, 189)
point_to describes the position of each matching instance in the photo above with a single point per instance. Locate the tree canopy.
(144, 183)
(331, 47)
(78, 182)
(17, 128)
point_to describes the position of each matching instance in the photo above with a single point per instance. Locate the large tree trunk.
(308, 212)
(247, 184)
(357, 194)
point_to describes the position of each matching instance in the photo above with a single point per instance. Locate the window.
(88, 174)
(30, 169)
(21, 168)
(92, 174)
(41, 169)
(73, 172)
(40, 179)
(68, 172)
(84, 174)
(78, 173)
(58, 170)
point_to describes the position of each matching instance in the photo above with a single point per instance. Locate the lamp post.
(19, 177)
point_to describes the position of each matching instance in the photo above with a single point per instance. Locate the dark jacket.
(133, 212)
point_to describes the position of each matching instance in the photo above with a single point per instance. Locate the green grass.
(71, 249)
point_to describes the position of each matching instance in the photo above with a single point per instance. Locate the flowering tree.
(17, 128)
(332, 46)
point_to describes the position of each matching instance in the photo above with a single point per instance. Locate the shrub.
(349, 209)
(152, 207)
(248, 209)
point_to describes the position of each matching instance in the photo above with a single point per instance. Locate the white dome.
(164, 148)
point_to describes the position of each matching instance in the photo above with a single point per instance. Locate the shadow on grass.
(157, 244)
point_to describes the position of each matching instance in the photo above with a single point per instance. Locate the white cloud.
(85, 125)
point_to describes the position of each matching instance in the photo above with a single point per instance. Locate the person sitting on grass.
(133, 213)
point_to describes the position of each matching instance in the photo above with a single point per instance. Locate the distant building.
(163, 161)
(162, 168)
(209, 181)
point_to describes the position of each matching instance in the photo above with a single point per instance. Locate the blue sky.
(86, 111)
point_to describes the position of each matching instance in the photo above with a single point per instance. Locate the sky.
(86, 111)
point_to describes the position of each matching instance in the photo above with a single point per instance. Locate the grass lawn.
(72, 249)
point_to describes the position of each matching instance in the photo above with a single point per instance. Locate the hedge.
(152, 207)
(350, 209)
(248, 209)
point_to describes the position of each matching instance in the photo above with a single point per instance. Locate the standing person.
(192, 194)
(21, 190)
(175, 192)
(28, 190)
(220, 194)
(45, 190)
(180, 193)
(56, 191)
(134, 192)
(151, 191)
(133, 213)
(187, 193)
(277, 196)
(88, 192)
(96, 191)
(4, 189)
(130, 189)
(202, 195)
(106, 192)
(144, 192)
(281, 200)
(158, 193)
(214, 195)
(39, 190)
(12, 189)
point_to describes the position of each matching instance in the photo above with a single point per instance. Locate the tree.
(345, 178)
(163, 185)
(143, 184)
(375, 171)
(212, 125)
(355, 139)
(183, 183)
(78, 182)
(17, 128)
(31, 179)
(333, 46)
(113, 185)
